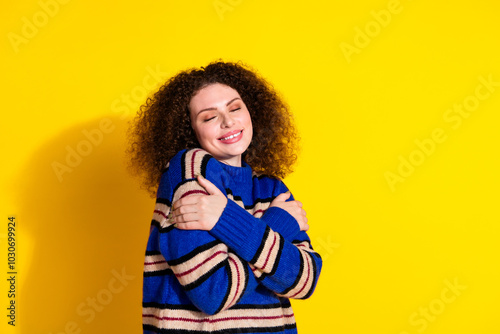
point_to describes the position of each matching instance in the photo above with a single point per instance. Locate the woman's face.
(221, 122)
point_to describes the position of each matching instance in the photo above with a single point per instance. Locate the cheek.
(204, 133)
(248, 122)
(198, 132)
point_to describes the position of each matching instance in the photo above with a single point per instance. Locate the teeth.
(232, 136)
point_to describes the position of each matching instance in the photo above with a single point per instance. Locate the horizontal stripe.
(249, 310)
(152, 252)
(160, 306)
(194, 252)
(285, 303)
(194, 192)
(190, 271)
(189, 187)
(165, 201)
(155, 264)
(258, 205)
(258, 213)
(152, 329)
(200, 264)
(204, 277)
(225, 320)
(160, 214)
(154, 260)
(218, 320)
(164, 272)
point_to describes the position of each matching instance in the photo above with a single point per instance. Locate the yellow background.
(390, 251)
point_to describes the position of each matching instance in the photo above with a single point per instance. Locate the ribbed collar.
(239, 174)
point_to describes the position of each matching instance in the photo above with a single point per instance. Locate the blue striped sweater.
(237, 277)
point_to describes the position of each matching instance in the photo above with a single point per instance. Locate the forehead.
(213, 95)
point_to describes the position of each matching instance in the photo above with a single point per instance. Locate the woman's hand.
(199, 212)
(293, 207)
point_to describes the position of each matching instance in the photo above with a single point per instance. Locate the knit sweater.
(237, 277)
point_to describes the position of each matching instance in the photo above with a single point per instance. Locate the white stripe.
(196, 260)
(196, 320)
(155, 263)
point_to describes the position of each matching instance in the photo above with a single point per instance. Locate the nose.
(227, 121)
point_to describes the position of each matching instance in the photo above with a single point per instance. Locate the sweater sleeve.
(280, 220)
(213, 277)
(289, 267)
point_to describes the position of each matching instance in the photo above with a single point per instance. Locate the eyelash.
(211, 118)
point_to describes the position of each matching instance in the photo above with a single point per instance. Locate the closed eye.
(236, 109)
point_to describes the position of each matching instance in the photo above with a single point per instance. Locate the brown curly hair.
(162, 125)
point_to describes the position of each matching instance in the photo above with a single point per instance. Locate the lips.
(231, 135)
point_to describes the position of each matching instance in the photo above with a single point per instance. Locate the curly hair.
(162, 125)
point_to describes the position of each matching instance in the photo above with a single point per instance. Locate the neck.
(234, 161)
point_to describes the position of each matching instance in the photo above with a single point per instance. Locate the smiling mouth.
(231, 136)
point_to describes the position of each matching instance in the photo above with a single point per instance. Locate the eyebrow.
(213, 108)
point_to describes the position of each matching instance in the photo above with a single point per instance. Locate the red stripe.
(238, 279)
(272, 246)
(216, 320)
(161, 213)
(307, 279)
(306, 247)
(192, 163)
(200, 264)
(194, 192)
(260, 210)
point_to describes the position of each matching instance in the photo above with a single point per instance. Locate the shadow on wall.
(86, 223)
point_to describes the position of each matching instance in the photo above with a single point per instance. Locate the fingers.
(303, 222)
(283, 196)
(280, 199)
(199, 212)
(186, 217)
(209, 186)
(193, 221)
(188, 200)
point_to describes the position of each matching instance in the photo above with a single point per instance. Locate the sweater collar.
(239, 174)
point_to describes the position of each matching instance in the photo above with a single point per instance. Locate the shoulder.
(184, 167)
(189, 163)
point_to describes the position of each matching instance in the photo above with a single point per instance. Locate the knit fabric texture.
(237, 277)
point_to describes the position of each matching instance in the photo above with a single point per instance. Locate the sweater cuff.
(281, 221)
(239, 230)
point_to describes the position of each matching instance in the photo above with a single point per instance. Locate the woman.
(227, 246)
